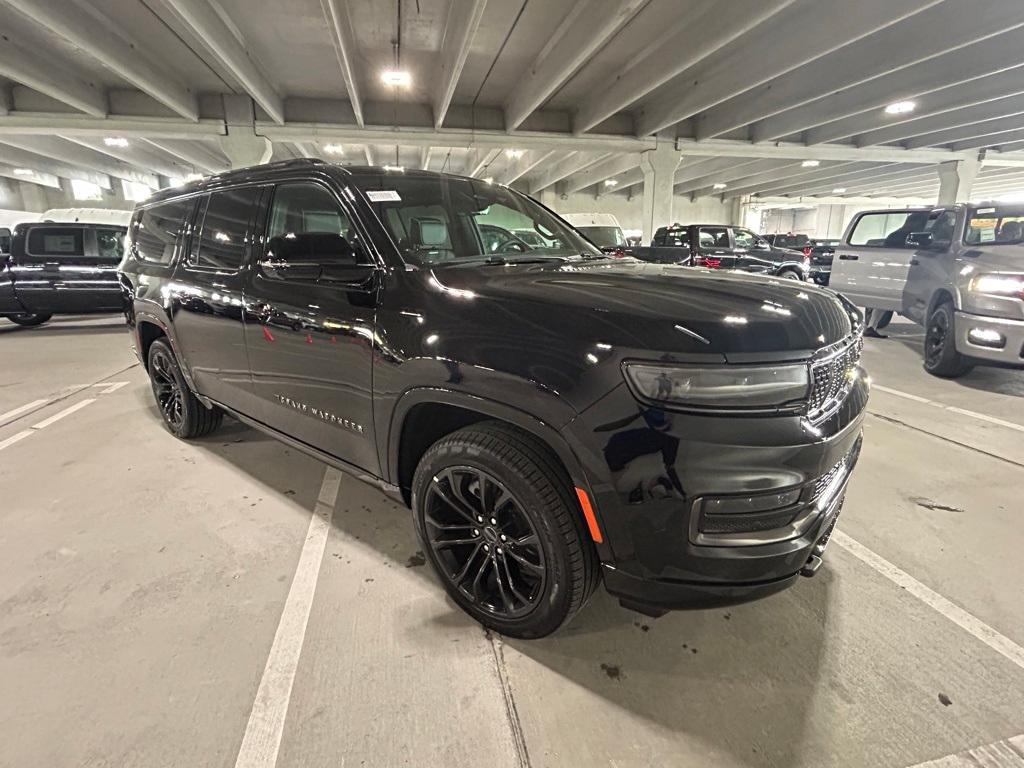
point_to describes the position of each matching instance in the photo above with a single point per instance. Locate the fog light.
(986, 337)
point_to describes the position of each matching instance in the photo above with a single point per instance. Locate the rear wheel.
(791, 274)
(940, 355)
(29, 319)
(182, 412)
(502, 530)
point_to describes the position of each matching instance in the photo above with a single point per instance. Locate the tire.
(182, 413)
(940, 355)
(791, 274)
(28, 319)
(547, 564)
(886, 318)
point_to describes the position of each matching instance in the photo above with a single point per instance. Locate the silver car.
(956, 270)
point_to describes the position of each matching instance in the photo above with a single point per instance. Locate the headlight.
(1001, 285)
(725, 386)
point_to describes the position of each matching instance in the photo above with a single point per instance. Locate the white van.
(602, 229)
(88, 216)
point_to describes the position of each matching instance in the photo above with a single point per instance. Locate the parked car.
(823, 250)
(602, 229)
(552, 417)
(790, 242)
(957, 270)
(721, 246)
(60, 268)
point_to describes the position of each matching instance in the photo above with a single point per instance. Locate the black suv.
(60, 268)
(551, 415)
(721, 246)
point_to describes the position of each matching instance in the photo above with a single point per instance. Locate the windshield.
(994, 225)
(604, 237)
(445, 220)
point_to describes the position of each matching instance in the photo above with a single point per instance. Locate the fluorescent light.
(396, 77)
(398, 168)
(611, 183)
(24, 172)
(85, 190)
(489, 180)
(514, 154)
(719, 185)
(810, 163)
(838, 190)
(900, 108)
(193, 177)
(334, 149)
(116, 141)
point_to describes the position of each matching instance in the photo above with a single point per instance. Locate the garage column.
(956, 178)
(659, 169)
(241, 144)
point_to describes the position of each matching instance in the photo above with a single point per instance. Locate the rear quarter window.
(156, 230)
(56, 242)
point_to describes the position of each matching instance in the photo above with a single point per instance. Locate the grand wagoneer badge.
(325, 416)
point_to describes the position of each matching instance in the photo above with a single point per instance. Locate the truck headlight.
(723, 386)
(999, 285)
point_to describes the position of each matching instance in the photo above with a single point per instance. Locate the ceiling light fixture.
(719, 185)
(396, 168)
(396, 78)
(514, 154)
(116, 141)
(900, 108)
(838, 190)
(611, 183)
(489, 180)
(334, 149)
(810, 163)
(24, 172)
(193, 176)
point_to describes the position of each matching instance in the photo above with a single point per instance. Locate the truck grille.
(832, 377)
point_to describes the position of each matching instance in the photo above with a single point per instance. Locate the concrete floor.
(143, 579)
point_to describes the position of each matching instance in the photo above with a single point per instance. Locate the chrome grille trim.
(832, 376)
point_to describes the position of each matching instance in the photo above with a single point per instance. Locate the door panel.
(715, 247)
(310, 311)
(871, 265)
(750, 255)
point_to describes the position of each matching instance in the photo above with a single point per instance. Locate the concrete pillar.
(10, 195)
(956, 177)
(241, 144)
(33, 197)
(659, 168)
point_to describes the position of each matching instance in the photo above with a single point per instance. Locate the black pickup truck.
(553, 416)
(721, 246)
(60, 268)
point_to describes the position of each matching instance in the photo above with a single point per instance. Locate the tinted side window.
(224, 235)
(714, 237)
(110, 244)
(888, 230)
(744, 239)
(157, 229)
(56, 241)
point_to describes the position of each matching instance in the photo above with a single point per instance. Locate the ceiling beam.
(998, 54)
(479, 160)
(724, 75)
(339, 23)
(49, 123)
(813, 176)
(908, 42)
(605, 169)
(988, 140)
(780, 174)
(794, 151)
(957, 118)
(1008, 154)
(28, 66)
(703, 29)
(304, 149)
(137, 154)
(20, 158)
(459, 28)
(65, 151)
(574, 162)
(526, 163)
(425, 156)
(729, 175)
(623, 181)
(204, 21)
(38, 177)
(587, 28)
(103, 39)
(867, 181)
(198, 154)
(964, 132)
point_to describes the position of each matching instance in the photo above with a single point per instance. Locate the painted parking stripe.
(966, 621)
(951, 408)
(61, 414)
(20, 410)
(1008, 753)
(111, 386)
(15, 438)
(263, 732)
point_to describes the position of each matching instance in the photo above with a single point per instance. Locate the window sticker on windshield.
(985, 210)
(382, 195)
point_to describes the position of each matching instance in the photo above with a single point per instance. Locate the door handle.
(848, 257)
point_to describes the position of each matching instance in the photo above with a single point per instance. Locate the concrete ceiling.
(540, 93)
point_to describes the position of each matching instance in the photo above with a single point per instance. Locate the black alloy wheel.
(181, 410)
(940, 355)
(28, 319)
(483, 540)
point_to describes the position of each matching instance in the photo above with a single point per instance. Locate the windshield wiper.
(500, 260)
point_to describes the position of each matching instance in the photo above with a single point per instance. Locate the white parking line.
(966, 621)
(263, 732)
(15, 438)
(21, 409)
(61, 414)
(111, 386)
(1008, 753)
(951, 408)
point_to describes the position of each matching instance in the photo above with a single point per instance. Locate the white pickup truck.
(957, 270)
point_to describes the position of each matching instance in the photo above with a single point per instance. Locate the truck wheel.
(886, 317)
(791, 274)
(940, 355)
(28, 319)
(183, 414)
(502, 530)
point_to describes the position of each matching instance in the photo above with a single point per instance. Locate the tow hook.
(811, 566)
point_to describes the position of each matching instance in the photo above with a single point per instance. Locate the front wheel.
(502, 530)
(791, 274)
(182, 412)
(28, 319)
(940, 355)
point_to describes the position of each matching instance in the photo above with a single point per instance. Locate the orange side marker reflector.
(588, 513)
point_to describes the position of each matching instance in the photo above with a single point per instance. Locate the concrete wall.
(817, 221)
(629, 212)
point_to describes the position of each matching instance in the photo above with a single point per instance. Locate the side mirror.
(919, 239)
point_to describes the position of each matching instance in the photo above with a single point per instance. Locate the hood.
(996, 258)
(666, 309)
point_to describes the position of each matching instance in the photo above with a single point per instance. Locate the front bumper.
(1010, 331)
(654, 472)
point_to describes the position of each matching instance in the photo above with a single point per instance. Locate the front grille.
(832, 377)
(822, 482)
